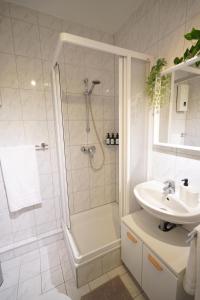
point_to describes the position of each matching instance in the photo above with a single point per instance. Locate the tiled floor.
(47, 270)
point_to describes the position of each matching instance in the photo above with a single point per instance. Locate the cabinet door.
(157, 281)
(131, 252)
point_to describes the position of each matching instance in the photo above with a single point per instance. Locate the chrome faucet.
(169, 187)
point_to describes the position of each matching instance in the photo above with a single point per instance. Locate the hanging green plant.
(194, 35)
(157, 86)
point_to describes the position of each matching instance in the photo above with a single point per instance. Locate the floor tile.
(30, 287)
(49, 260)
(141, 297)
(52, 278)
(11, 264)
(11, 278)
(131, 285)
(61, 289)
(75, 293)
(99, 281)
(29, 270)
(66, 270)
(117, 272)
(9, 294)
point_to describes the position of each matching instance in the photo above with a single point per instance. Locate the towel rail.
(42, 146)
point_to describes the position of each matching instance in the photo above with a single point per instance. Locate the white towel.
(191, 281)
(21, 176)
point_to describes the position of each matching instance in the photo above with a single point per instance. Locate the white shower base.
(94, 242)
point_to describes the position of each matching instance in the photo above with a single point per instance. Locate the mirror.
(178, 121)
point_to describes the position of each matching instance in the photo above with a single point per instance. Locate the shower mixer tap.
(90, 150)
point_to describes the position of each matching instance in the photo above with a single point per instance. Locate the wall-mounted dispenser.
(182, 97)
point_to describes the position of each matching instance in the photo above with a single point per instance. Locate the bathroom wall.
(27, 43)
(193, 114)
(88, 188)
(158, 28)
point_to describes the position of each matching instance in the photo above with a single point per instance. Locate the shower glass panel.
(89, 84)
(96, 97)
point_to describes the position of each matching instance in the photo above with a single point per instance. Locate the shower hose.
(98, 138)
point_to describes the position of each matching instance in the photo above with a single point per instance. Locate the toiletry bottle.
(184, 190)
(108, 139)
(117, 139)
(112, 140)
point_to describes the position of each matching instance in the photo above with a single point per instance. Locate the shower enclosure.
(93, 95)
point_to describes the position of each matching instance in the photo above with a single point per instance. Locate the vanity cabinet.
(156, 259)
(131, 252)
(155, 274)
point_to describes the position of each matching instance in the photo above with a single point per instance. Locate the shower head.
(94, 82)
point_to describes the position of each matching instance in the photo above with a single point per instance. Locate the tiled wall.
(27, 41)
(158, 28)
(88, 188)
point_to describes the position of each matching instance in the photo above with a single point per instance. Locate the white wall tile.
(77, 133)
(26, 39)
(33, 105)
(46, 186)
(22, 220)
(193, 8)
(45, 213)
(172, 15)
(24, 234)
(97, 108)
(75, 75)
(97, 196)
(29, 71)
(167, 48)
(11, 105)
(8, 75)
(75, 55)
(81, 201)
(4, 8)
(76, 108)
(49, 21)
(80, 179)
(23, 13)
(79, 159)
(110, 193)
(36, 132)
(6, 35)
(49, 40)
(12, 133)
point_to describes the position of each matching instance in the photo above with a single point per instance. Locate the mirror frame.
(185, 66)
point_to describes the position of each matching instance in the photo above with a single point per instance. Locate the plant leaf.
(194, 34)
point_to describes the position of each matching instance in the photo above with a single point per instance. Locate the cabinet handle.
(131, 238)
(155, 263)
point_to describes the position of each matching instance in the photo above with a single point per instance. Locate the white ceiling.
(105, 15)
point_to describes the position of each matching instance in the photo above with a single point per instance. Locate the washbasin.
(165, 207)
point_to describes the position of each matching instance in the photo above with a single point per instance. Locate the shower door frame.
(125, 57)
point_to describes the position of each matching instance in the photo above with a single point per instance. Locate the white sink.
(167, 208)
